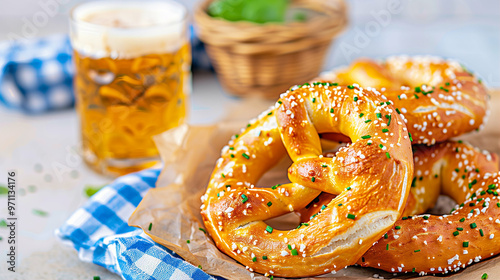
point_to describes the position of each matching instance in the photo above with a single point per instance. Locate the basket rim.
(205, 22)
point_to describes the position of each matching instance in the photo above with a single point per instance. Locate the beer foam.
(128, 29)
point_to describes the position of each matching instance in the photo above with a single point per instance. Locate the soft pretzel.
(440, 244)
(438, 98)
(371, 179)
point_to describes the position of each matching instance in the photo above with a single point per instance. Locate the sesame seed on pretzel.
(370, 178)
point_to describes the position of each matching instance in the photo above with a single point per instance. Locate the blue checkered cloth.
(36, 75)
(100, 233)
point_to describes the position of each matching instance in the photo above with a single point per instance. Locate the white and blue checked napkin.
(101, 235)
(36, 75)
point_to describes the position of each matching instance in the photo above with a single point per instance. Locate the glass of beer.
(132, 79)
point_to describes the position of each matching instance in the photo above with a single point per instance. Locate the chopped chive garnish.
(231, 155)
(245, 156)
(40, 212)
(289, 247)
(397, 111)
(387, 247)
(426, 217)
(351, 216)
(462, 220)
(411, 139)
(416, 96)
(348, 188)
(387, 155)
(202, 229)
(97, 277)
(445, 89)
(460, 229)
(270, 113)
(254, 259)
(294, 252)
(244, 197)
(275, 186)
(269, 203)
(324, 165)
(361, 115)
(188, 241)
(331, 111)
(417, 89)
(350, 86)
(481, 232)
(413, 270)
(379, 115)
(150, 226)
(313, 179)
(473, 225)
(397, 227)
(269, 229)
(314, 99)
(455, 233)
(484, 276)
(367, 121)
(264, 257)
(465, 244)
(223, 176)
(340, 204)
(323, 207)
(279, 101)
(386, 236)
(384, 130)
(416, 251)
(380, 146)
(355, 98)
(447, 84)
(366, 137)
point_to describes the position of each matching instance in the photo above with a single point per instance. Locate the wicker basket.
(266, 59)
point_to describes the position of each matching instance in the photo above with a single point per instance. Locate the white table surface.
(37, 147)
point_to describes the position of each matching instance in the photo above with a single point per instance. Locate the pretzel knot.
(439, 99)
(371, 179)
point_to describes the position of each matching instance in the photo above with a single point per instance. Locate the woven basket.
(267, 59)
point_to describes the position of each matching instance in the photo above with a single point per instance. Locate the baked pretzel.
(438, 98)
(371, 179)
(440, 244)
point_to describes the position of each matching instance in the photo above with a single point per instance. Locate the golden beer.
(127, 91)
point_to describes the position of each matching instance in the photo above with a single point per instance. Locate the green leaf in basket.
(258, 11)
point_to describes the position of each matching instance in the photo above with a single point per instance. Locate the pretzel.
(441, 244)
(371, 179)
(438, 98)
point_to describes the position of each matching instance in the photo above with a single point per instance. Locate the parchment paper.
(189, 154)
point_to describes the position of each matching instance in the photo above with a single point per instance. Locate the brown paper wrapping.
(189, 154)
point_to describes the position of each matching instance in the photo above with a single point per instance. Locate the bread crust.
(371, 179)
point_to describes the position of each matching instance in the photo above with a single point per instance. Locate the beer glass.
(132, 79)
